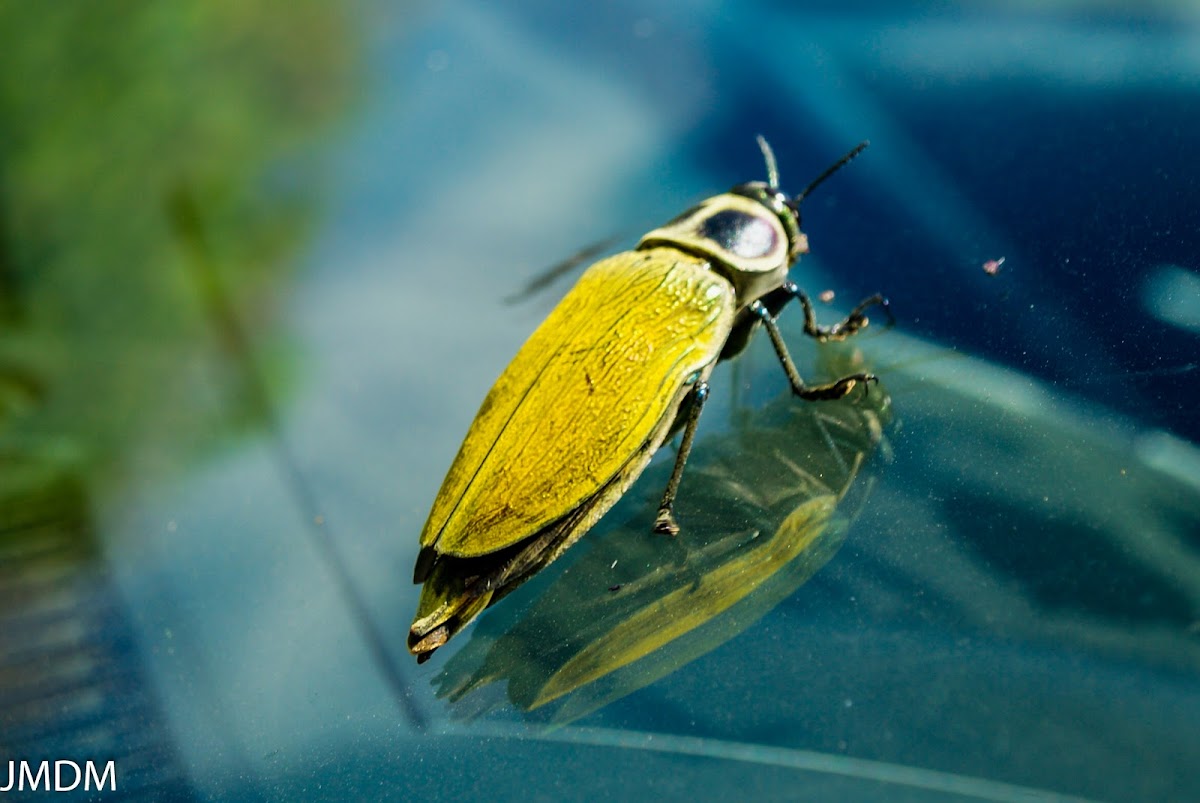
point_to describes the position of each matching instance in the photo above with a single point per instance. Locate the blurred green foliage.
(109, 113)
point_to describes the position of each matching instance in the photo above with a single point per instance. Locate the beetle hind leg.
(665, 521)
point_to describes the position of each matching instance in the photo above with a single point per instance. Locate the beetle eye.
(744, 235)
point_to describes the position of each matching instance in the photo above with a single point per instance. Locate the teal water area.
(253, 271)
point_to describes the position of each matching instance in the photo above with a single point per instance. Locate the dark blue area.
(1096, 188)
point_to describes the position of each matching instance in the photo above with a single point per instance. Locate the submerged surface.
(252, 272)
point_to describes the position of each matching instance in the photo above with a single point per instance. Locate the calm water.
(252, 279)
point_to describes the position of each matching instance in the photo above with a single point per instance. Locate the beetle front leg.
(833, 390)
(852, 323)
(665, 522)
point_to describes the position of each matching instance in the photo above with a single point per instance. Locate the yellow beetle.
(620, 365)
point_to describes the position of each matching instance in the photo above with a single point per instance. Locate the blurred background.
(253, 263)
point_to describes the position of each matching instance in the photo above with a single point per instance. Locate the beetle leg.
(665, 522)
(833, 390)
(853, 322)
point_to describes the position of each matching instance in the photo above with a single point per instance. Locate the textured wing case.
(581, 398)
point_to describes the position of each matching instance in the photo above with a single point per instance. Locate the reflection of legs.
(833, 390)
(665, 523)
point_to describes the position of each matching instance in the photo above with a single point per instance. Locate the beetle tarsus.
(835, 390)
(665, 523)
(852, 323)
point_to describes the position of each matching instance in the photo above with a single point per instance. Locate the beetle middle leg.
(665, 522)
(832, 390)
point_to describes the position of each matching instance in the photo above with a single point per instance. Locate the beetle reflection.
(773, 501)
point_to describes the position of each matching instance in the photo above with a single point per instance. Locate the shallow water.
(252, 271)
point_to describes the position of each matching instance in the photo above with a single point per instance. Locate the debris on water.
(992, 266)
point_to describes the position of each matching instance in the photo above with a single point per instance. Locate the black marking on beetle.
(744, 235)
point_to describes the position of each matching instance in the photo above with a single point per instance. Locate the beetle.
(616, 369)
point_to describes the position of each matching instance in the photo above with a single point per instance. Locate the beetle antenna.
(769, 157)
(839, 164)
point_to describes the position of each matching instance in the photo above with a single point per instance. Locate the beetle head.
(751, 234)
(787, 209)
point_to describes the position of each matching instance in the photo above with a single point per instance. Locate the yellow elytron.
(619, 365)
